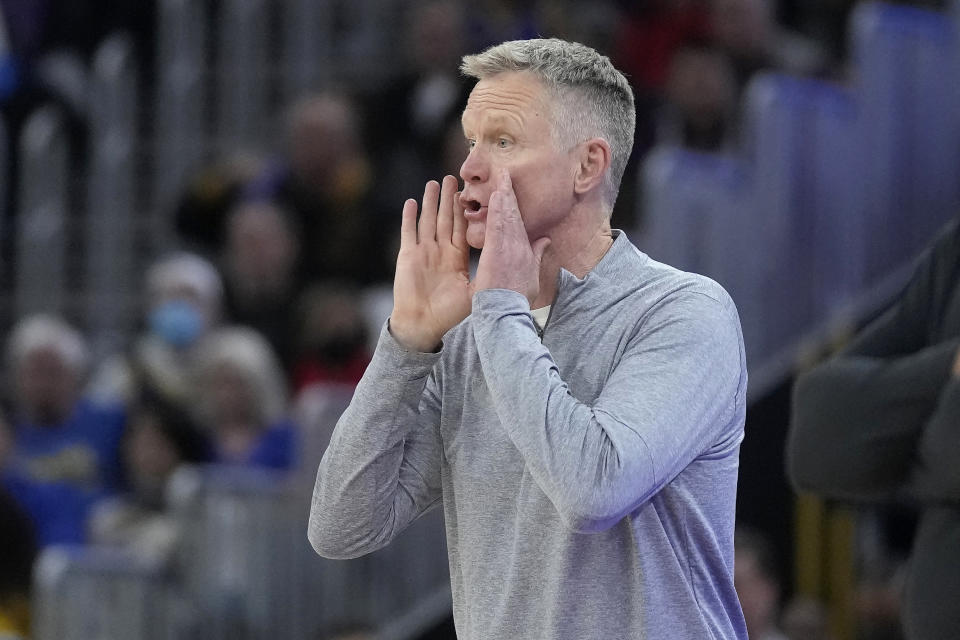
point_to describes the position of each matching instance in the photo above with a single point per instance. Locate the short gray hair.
(249, 354)
(582, 82)
(46, 331)
(188, 270)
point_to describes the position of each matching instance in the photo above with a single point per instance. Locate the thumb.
(539, 246)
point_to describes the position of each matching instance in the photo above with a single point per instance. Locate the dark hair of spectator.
(192, 445)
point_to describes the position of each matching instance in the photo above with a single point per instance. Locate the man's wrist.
(413, 340)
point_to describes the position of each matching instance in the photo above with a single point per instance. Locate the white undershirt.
(540, 316)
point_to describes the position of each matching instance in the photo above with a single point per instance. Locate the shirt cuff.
(391, 356)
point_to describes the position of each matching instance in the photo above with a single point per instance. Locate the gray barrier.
(249, 568)
(112, 217)
(180, 137)
(243, 75)
(41, 243)
(308, 46)
(85, 593)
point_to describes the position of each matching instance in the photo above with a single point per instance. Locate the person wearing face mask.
(184, 296)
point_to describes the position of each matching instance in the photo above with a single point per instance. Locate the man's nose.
(476, 167)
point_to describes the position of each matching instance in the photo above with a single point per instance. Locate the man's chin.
(475, 234)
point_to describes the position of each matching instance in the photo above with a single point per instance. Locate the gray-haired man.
(577, 407)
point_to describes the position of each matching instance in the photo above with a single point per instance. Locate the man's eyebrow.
(497, 122)
(504, 119)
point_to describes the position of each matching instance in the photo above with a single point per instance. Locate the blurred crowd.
(265, 295)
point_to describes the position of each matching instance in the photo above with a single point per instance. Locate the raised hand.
(431, 290)
(508, 259)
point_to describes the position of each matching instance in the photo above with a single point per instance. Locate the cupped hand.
(431, 290)
(508, 259)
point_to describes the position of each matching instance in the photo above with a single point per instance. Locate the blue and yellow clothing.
(56, 472)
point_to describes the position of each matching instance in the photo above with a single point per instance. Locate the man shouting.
(577, 408)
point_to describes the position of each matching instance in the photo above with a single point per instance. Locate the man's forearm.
(658, 411)
(857, 421)
(381, 468)
(937, 475)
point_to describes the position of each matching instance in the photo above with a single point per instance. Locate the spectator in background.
(241, 400)
(322, 176)
(879, 423)
(650, 33)
(200, 218)
(699, 111)
(64, 452)
(184, 296)
(260, 263)
(757, 581)
(159, 438)
(331, 339)
(748, 32)
(408, 119)
(325, 179)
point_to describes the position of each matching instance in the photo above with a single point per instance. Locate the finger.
(506, 183)
(510, 209)
(539, 246)
(445, 213)
(459, 237)
(509, 197)
(408, 224)
(494, 227)
(428, 212)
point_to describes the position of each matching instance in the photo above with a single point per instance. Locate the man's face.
(507, 124)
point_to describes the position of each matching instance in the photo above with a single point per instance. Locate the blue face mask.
(178, 323)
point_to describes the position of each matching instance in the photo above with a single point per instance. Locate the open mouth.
(473, 210)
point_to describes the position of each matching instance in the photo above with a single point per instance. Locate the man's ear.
(594, 164)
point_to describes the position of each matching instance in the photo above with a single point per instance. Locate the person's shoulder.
(661, 283)
(944, 250)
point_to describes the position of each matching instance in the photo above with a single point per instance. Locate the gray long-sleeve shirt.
(588, 480)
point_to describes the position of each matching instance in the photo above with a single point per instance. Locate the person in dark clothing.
(17, 554)
(879, 423)
(259, 262)
(160, 437)
(407, 120)
(325, 179)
